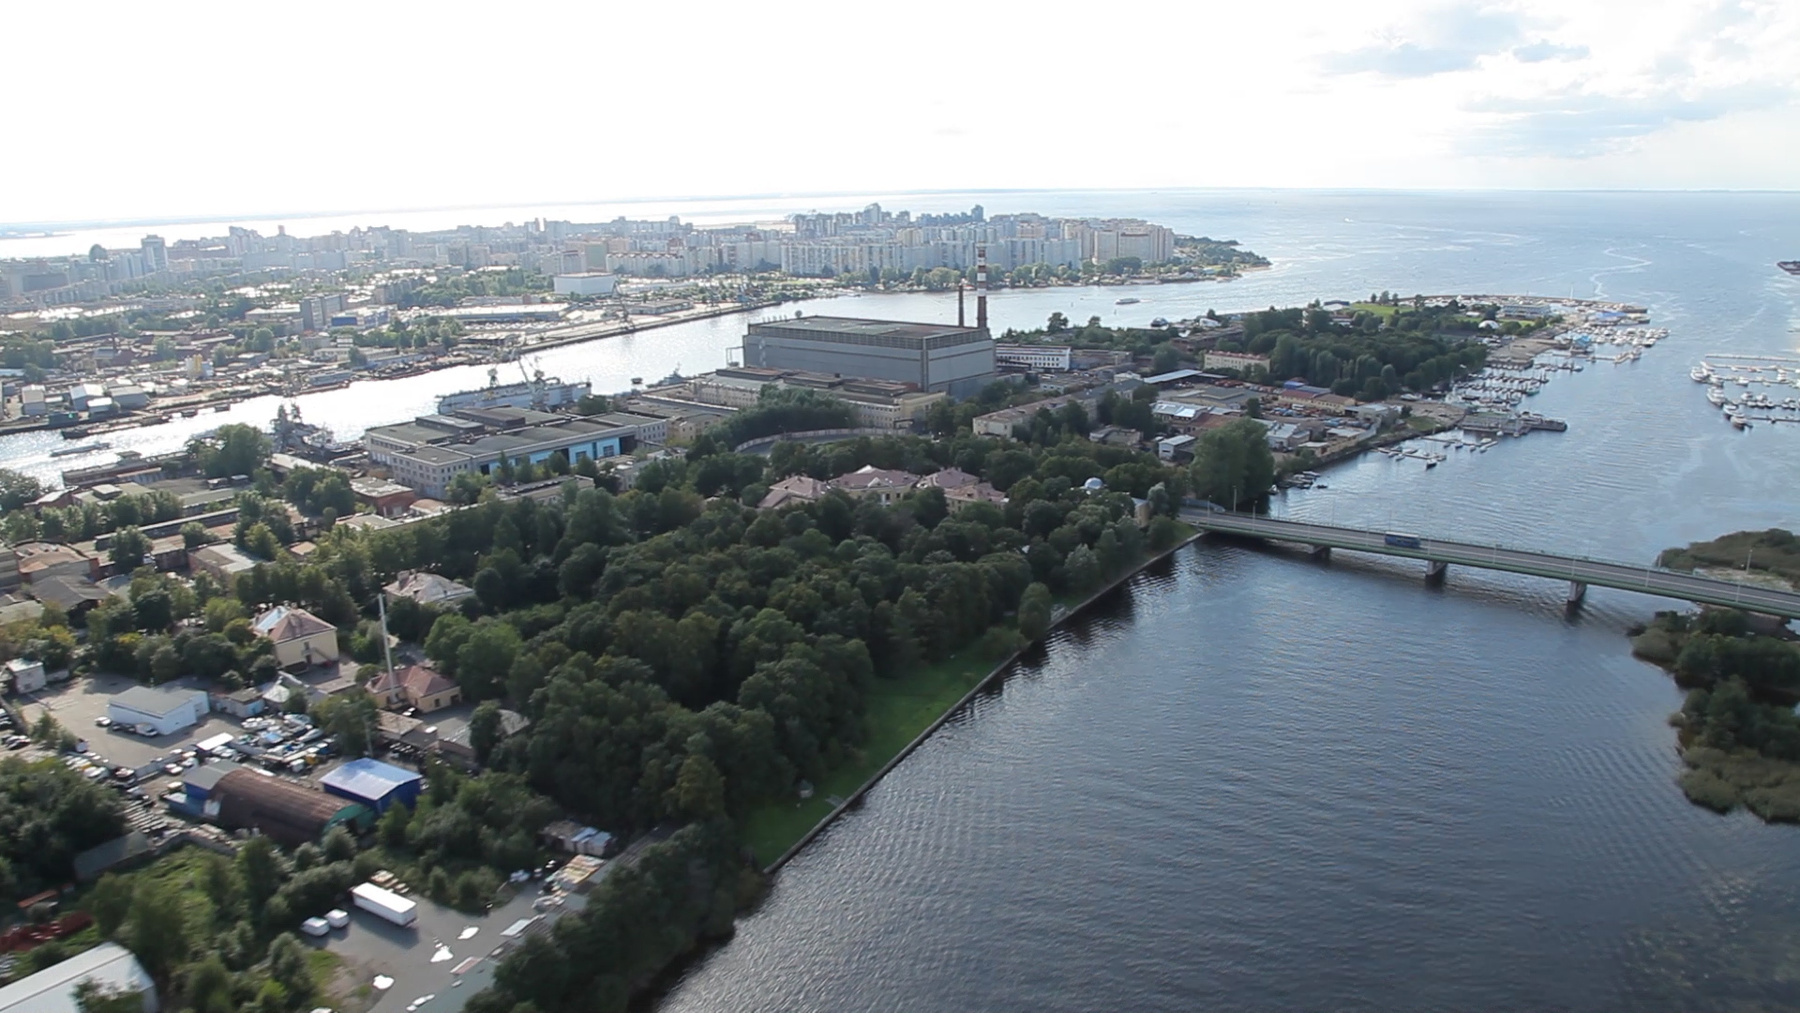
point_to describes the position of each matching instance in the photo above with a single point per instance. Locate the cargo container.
(384, 904)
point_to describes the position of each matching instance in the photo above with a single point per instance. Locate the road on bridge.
(1624, 576)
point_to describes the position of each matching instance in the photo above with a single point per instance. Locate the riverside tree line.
(683, 658)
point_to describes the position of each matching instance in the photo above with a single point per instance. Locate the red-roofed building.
(419, 686)
(878, 484)
(793, 489)
(949, 478)
(964, 496)
(300, 638)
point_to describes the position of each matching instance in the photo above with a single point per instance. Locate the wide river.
(1257, 782)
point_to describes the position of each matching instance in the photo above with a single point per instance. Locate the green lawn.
(1375, 308)
(898, 710)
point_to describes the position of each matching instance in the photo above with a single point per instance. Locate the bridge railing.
(1648, 569)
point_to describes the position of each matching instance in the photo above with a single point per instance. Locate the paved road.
(1627, 577)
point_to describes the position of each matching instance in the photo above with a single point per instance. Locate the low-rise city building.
(300, 638)
(1050, 358)
(962, 497)
(878, 484)
(793, 489)
(1242, 362)
(428, 588)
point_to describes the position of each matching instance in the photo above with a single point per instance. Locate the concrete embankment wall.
(988, 680)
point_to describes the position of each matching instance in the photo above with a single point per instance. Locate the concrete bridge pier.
(1577, 593)
(1435, 570)
(1321, 553)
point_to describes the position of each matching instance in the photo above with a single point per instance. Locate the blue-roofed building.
(373, 783)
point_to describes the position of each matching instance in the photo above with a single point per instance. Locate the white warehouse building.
(52, 990)
(588, 283)
(168, 709)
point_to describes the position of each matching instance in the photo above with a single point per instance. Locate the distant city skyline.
(243, 111)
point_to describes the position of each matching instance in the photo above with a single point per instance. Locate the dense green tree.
(1233, 464)
(17, 490)
(127, 549)
(236, 449)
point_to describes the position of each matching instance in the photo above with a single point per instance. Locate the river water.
(1257, 782)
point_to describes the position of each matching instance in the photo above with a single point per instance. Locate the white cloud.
(139, 110)
(1540, 51)
(1436, 41)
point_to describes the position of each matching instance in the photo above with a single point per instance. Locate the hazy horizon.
(399, 106)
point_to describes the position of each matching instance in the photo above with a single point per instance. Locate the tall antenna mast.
(387, 651)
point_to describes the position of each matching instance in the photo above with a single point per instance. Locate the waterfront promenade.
(1441, 553)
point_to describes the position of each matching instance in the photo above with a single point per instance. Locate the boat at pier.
(1716, 395)
(1700, 374)
(85, 448)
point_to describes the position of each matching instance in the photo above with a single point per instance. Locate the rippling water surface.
(1258, 782)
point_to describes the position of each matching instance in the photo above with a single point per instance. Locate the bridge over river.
(1439, 554)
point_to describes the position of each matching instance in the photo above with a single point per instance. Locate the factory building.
(427, 453)
(937, 358)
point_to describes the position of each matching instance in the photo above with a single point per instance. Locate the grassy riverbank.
(898, 710)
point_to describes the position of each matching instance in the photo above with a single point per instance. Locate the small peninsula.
(1739, 735)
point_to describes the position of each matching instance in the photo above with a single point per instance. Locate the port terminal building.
(937, 358)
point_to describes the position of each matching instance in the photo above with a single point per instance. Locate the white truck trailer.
(385, 904)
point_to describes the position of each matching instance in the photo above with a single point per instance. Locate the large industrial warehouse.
(955, 360)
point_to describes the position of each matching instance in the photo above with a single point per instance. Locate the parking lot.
(76, 703)
(437, 964)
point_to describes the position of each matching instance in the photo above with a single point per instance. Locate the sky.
(144, 111)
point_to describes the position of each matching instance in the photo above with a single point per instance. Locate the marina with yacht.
(1751, 388)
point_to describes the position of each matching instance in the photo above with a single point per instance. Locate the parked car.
(315, 926)
(172, 769)
(103, 722)
(337, 917)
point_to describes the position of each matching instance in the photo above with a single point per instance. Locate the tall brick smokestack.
(981, 285)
